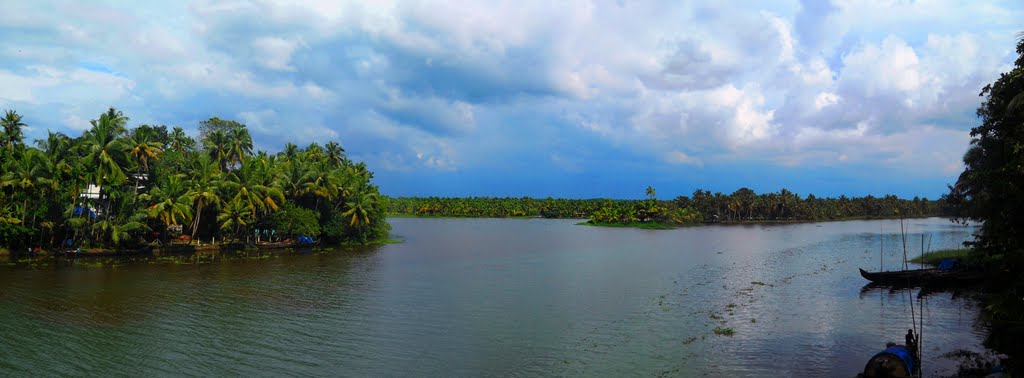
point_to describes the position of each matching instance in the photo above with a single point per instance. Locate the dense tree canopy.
(991, 188)
(117, 187)
(740, 206)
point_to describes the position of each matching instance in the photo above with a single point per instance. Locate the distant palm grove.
(743, 205)
(118, 187)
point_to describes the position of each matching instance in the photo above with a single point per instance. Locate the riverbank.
(643, 225)
(671, 226)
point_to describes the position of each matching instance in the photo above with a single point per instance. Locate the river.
(482, 297)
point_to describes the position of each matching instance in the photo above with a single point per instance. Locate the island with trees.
(119, 187)
(703, 206)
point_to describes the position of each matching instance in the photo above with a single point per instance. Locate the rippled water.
(472, 297)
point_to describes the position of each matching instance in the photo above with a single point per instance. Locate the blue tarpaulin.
(79, 210)
(947, 264)
(903, 353)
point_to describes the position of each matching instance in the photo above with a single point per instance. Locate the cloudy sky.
(567, 99)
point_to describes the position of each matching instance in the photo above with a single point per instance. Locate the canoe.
(286, 244)
(922, 277)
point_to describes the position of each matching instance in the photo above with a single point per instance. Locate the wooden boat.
(894, 361)
(922, 277)
(286, 244)
(107, 252)
(275, 245)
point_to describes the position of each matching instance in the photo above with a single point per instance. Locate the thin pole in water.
(881, 243)
(922, 251)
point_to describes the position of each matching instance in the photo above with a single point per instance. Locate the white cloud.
(276, 52)
(678, 157)
(418, 87)
(824, 99)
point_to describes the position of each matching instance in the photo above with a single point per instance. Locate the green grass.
(643, 225)
(934, 257)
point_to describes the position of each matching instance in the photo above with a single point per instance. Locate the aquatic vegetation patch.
(724, 331)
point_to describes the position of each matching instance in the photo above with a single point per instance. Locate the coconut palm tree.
(239, 145)
(205, 187)
(334, 154)
(179, 141)
(359, 209)
(142, 148)
(117, 231)
(290, 150)
(170, 201)
(12, 135)
(104, 149)
(314, 152)
(218, 146)
(235, 216)
(27, 175)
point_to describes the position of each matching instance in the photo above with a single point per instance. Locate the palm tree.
(12, 136)
(290, 150)
(314, 152)
(359, 209)
(235, 216)
(205, 188)
(218, 147)
(170, 201)
(179, 141)
(650, 192)
(239, 145)
(27, 174)
(334, 153)
(104, 150)
(116, 231)
(142, 149)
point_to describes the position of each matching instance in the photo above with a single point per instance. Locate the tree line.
(743, 205)
(115, 186)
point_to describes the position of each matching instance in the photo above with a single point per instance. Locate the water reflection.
(495, 297)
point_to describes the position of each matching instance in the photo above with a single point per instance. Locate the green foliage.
(492, 207)
(742, 206)
(296, 221)
(146, 181)
(935, 257)
(724, 331)
(989, 190)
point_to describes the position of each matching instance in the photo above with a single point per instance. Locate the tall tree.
(179, 141)
(991, 184)
(13, 134)
(105, 150)
(239, 145)
(208, 127)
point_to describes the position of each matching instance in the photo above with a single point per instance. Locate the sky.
(579, 99)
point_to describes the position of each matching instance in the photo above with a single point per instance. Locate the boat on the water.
(287, 244)
(106, 252)
(931, 276)
(894, 361)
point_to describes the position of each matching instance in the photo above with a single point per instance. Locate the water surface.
(480, 297)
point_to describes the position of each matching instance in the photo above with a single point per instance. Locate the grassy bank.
(935, 257)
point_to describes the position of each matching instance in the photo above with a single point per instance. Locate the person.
(911, 341)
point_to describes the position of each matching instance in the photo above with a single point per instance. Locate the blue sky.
(567, 99)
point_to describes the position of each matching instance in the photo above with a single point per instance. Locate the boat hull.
(922, 277)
